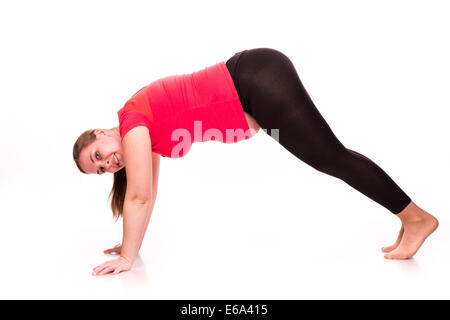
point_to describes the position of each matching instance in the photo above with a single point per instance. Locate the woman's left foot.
(396, 244)
(417, 226)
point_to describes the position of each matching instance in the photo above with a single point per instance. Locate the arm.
(139, 198)
(138, 202)
(155, 173)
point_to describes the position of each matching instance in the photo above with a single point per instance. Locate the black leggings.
(271, 91)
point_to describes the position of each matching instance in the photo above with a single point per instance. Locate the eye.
(97, 156)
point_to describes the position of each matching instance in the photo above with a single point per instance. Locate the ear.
(99, 131)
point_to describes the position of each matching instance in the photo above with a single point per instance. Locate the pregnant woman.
(229, 102)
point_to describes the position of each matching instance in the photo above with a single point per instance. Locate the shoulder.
(139, 159)
(136, 112)
(136, 136)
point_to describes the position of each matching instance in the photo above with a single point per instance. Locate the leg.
(274, 94)
(271, 91)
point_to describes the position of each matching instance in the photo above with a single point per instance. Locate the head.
(99, 151)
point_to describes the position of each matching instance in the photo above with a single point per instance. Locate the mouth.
(116, 160)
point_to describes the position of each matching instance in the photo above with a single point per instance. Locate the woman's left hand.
(115, 266)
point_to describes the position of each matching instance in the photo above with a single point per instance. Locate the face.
(104, 155)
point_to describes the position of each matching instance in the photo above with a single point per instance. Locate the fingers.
(116, 266)
(100, 271)
(115, 250)
(112, 251)
(106, 270)
(100, 267)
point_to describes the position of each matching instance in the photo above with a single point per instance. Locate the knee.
(332, 163)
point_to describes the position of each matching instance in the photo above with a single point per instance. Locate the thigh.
(278, 100)
(252, 124)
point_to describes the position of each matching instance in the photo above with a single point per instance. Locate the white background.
(239, 221)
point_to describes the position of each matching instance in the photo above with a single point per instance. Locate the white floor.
(256, 232)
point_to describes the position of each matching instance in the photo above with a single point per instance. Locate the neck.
(116, 131)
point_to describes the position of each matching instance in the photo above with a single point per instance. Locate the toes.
(396, 244)
(388, 256)
(388, 249)
(398, 256)
(391, 256)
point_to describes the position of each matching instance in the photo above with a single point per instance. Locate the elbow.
(139, 200)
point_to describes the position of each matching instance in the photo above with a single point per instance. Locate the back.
(200, 106)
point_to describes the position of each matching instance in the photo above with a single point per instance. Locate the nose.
(107, 164)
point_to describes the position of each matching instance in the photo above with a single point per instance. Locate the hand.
(115, 266)
(115, 250)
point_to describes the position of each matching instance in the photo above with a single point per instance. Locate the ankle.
(412, 213)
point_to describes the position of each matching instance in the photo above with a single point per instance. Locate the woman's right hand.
(115, 250)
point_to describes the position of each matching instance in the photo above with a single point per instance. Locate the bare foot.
(417, 225)
(397, 242)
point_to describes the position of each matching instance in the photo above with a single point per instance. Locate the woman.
(229, 102)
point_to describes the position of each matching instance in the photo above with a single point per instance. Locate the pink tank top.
(179, 110)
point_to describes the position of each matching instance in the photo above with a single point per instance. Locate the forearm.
(155, 177)
(136, 216)
(148, 217)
